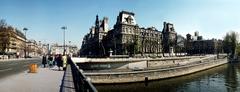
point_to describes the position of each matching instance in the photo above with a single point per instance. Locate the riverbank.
(158, 70)
(222, 78)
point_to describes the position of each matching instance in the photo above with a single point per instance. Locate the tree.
(180, 44)
(7, 35)
(3, 23)
(230, 43)
(3, 33)
(135, 44)
(226, 43)
(6, 38)
(238, 49)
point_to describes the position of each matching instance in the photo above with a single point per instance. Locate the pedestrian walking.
(50, 61)
(59, 61)
(69, 59)
(44, 61)
(64, 59)
(55, 60)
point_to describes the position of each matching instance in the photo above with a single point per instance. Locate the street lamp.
(69, 47)
(133, 48)
(142, 44)
(25, 47)
(158, 49)
(64, 48)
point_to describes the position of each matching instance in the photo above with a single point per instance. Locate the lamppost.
(158, 49)
(143, 39)
(64, 48)
(39, 47)
(25, 47)
(69, 48)
(133, 48)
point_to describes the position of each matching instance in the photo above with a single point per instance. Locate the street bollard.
(33, 68)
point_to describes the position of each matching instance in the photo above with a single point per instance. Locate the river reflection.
(224, 78)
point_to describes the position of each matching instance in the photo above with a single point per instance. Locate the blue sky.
(44, 18)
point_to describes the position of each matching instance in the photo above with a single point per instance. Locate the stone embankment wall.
(137, 63)
(180, 69)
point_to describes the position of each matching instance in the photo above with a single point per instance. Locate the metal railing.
(81, 83)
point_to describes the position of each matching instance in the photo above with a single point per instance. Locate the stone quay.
(127, 70)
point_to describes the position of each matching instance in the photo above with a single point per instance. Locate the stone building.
(126, 38)
(13, 40)
(58, 49)
(169, 37)
(92, 43)
(196, 45)
(33, 48)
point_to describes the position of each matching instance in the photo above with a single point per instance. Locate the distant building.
(58, 49)
(196, 45)
(33, 48)
(45, 49)
(127, 38)
(169, 37)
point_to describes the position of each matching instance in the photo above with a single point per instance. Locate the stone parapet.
(156, 73)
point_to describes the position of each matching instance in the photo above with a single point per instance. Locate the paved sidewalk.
(45, 80)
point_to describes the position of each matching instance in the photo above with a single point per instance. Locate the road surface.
(10, 67)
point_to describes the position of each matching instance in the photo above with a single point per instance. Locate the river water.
(224, 78)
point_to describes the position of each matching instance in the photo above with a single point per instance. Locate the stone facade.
(129, 38)
(58, 49)
(92, 43)
(126, 38)
(196, 45)
(179, 68)
(33, 48)
(13, 40)
(169, 37)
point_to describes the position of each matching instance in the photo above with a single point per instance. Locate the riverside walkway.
(45, 80)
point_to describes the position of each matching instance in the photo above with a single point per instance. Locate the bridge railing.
(81, 83)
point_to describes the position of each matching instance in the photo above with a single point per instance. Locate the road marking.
(8, 69)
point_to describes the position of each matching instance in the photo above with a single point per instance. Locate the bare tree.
(2, 23)
(230, 43)
(7, 34)
(238, 49)
(6, 39)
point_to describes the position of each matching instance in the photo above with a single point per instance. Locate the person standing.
(59, 61)
(44, 61)
(69, 60)
(50, 61)
(64, 58)
(55, 60)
